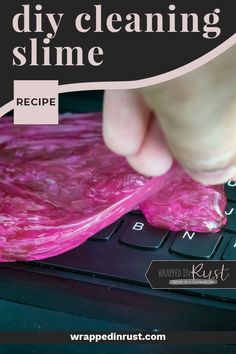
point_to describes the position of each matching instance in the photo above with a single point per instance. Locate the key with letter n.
(196, 245)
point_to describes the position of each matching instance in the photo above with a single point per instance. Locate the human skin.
(191, 119)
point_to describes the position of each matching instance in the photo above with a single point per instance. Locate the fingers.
(129, 129)
(153, 158)
(197, 114)
(125, 121)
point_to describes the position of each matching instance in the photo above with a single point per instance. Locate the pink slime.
(60, 185)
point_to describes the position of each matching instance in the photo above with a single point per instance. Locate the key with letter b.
(137, 232)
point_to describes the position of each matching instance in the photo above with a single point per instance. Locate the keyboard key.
(196, 245)
(230, 190)
(107, 233)
(137, 232)
(231, 216)
(230, 252)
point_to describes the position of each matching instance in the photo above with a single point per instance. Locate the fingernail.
(213, 177)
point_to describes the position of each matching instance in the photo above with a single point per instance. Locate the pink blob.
(60, 185)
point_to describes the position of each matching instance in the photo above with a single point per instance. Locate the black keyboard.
(104, 278)
(123, 251)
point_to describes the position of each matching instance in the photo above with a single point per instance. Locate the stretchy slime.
(60, 185)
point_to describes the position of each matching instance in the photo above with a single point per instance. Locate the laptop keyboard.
(124, 250)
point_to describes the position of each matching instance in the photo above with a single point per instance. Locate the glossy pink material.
(60, 185)
(186, 205)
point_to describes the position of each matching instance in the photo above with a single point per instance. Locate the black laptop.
(104, 281)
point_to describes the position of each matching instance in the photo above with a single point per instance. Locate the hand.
(191, 119)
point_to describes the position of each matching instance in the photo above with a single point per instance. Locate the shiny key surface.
(230, 251)
(196, 245)
(231, 217)
(136, 232)
(230, 190)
